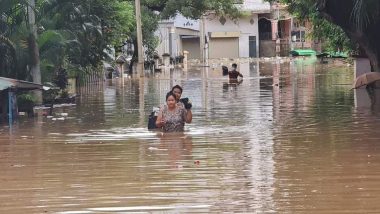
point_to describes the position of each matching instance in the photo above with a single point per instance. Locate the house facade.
(179, 34)
(262, 30)
(228, 38)
(280, 33)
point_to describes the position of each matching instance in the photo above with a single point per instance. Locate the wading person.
(177, 91)
(234, 74)
(185, 102)
(172, 116)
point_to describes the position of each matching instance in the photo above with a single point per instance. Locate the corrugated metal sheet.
(224, 48)
(6, 83)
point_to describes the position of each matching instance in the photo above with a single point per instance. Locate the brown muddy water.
(291, 138)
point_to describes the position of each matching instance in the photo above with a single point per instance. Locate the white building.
(214, 36)
(227, 38)
(179, 34)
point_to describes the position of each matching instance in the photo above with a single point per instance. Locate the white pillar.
(166, 59)
(202, 40)
(171, 41)
(185, 53)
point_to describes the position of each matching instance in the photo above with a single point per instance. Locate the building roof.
(6, 83)
(187, 32)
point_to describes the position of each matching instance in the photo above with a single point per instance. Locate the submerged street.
(291, 138)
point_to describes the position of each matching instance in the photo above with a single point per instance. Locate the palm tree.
(11, 16)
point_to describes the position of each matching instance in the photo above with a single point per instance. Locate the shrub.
(26, 102)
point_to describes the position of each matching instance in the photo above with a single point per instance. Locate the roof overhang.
(187, 32)
(6, 83)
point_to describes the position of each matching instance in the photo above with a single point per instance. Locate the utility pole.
(140, 58)
(202, 40)
(34, 52)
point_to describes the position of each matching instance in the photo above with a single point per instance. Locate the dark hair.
(234, 65)
(177, 86)
(170, 93)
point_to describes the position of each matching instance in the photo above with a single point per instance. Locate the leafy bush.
(26, 102)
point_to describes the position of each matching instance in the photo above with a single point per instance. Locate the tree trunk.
(340, 13)
(33, 50)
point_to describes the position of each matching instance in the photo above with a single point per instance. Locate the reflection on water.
(291, 138)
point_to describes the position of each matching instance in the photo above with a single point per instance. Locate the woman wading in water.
(173, 116)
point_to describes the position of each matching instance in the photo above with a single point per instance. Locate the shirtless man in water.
(234, 74)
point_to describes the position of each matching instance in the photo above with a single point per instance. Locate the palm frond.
(364, 12)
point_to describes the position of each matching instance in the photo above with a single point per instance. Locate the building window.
(298, 36)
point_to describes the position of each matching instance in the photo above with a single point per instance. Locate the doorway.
(252, 46)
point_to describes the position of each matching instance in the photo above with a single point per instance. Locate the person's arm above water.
(188, 116)
(160, 122)
(240, 75)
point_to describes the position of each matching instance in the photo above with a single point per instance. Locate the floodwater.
(291, 138)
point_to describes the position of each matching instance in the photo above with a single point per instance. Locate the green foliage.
(149, 25)
(50, 95)
(25, 101)
(155, 10)
(365, 12)
(74, 34)
(333, 36)
(124, 13)
(191, 8)
(11, 26)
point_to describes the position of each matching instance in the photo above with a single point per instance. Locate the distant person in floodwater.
(173, 116)
(234, 74)
(177, 91)
(185, 102)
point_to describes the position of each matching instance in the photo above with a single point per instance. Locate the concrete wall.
(163, 35)
(168, 29)
(284, 47)
(267, 48)
(247, 26)
(182, 22)
(244, 26)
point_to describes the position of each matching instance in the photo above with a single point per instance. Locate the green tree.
(18, 20)
(333, 37)
(72, 33)
(191, 8)
(358, 19)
